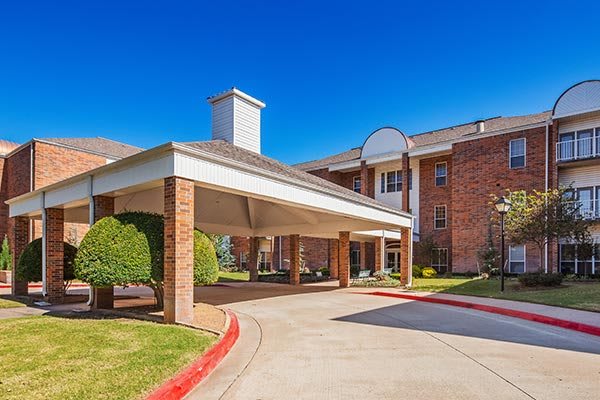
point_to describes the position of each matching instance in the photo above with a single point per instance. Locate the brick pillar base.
(333, 258)
(294, 259)
(18, 238)
(55, 233)
(253, 259)
(344, 259)
(405, 256)
(179, 250)
(104, 298)
(379, 253)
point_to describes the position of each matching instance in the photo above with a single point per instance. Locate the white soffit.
(581, 98)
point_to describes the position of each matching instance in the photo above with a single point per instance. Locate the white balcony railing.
(588, 209)
(578, 149)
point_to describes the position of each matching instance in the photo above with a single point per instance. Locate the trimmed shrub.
(532, 279)
(417, 271)
(29, 266)
(396, 275)
(428, 272)
(5, 255)
(206, 265)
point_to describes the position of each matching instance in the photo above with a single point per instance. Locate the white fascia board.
(430, 150)
(248, 182)
(579, 112)
(73, 192)
(26, 206)
(379, 233)
(345, 165)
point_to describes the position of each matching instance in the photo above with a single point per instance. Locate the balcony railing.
(578, 149)
(588, 209)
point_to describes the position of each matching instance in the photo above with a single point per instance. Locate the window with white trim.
(439, 217)
(355, 257)
(441, 174)
(439, 259)
(516, 259)
(517, 153)
(392, 181)
(356, 184)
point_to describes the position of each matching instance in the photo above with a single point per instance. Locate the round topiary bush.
(206, 265)
(428, 272)
(29, 267)
(123, 249)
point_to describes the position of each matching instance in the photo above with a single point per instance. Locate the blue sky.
(330, 73)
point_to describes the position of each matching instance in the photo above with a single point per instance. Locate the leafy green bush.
(417, 271)
(29, 266)
(324, 271)
(396, 275)
(128, 249)
(5, 255)
(354, 270)
(531, 279)
(428, 272)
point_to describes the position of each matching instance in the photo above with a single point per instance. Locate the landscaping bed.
(92, 357)
(578, 295)
(284, 277)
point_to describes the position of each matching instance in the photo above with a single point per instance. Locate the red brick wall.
(431, 196)
(55, 255)
(480, 169)
(15, 181)
(3, 198)
(346, 179)
(240, 245)
(316, 252)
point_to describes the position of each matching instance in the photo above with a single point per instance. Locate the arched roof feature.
(581, 98)
(383, 141)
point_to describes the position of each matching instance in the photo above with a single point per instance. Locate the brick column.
(179, 250)
(19, 238)
(253, 259)
(294, 259)
(405, 255)
(344, 259)
(333, 258)
(364, 178)
(363, 255)
(55, 249)
(379, 253)
(104, 297)
(405, 185)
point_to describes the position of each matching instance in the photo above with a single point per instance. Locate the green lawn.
(59, 358)
(234, 276)
(579, 295)
(6, 303)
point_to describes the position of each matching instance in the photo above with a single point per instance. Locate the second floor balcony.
(588, 209)
(578, 149)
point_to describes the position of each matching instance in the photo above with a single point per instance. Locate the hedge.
(531, 279)
(29, 266)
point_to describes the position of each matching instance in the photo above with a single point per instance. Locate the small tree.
(489, 255)
(223, 248)
(543, 217)
(423, 250)
(29, 266)
(5, 255)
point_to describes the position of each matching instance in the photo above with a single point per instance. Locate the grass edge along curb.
(179, 386)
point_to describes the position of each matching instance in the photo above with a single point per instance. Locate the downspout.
(91, 215)
(44, 256)
(546, 185)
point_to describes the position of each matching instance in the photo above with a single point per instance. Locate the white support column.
(44, 257)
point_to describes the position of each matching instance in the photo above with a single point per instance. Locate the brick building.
(452, 172)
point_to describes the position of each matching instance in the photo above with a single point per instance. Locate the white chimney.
(236, 119)
(480, 126)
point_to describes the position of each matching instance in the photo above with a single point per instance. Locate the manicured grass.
(6, 303)
(579, 295)
(234, 276)
(59, 358)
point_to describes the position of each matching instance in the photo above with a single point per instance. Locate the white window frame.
(355, 253)
(511, 156)
(438, 265)
(398, 185)
(356, 179)
(435, 218)
(510, 260)
(445, 176)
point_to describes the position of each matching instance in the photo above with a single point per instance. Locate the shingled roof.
(438, 136)
(260, 162)
(100, 145)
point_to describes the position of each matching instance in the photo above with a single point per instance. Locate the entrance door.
(392, 260)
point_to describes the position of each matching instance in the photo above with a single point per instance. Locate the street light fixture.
(503, 205)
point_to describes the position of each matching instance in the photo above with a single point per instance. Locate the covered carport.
(213, 186)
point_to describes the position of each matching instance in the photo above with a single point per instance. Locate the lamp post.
(503, 206)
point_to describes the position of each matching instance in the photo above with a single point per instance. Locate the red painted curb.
(179, 386)
(39, 285)
(543, 319)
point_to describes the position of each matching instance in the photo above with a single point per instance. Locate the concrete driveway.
(314, 342)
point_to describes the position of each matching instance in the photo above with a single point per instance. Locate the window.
(439, 217)
(441, 174)
(392, 181)
(356, 184)
(516, 259)
(355, 257)
(439, 259)
(572, 262)
(517, 153)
